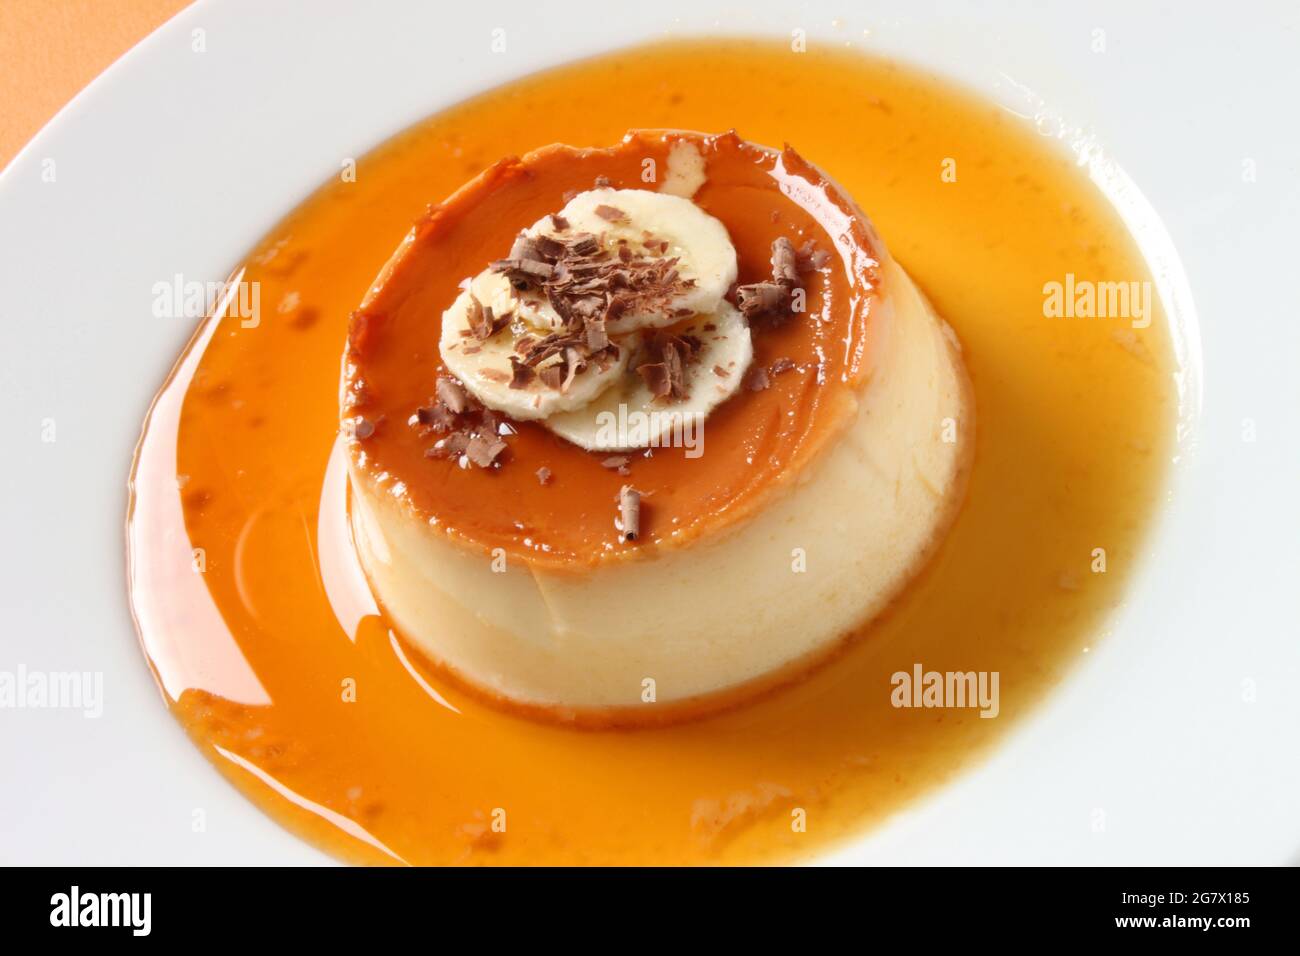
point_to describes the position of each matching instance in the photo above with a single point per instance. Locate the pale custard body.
(758, 599)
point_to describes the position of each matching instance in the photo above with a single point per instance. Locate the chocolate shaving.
(784, 268)
(601, 182)
(559, 224)
(521, 375)
(611, 213)
(524, 248)
(453, 446)
(597, 337)
(531, 260)
(483, 450)
(629, 512)
(524, 273)
(452, 394)
(781, 365)
(573, 365)
(585, 245)
(363, 428)
(467, 427)
(482, 323)
(436, 416)
(762, 299)
(756, 379)
(664, 366)
(552, 376)
(617, 463)
(774, 298)
(549, 249)
(656, 379)
(543, 475)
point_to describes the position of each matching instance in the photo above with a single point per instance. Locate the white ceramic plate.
(1174, 741)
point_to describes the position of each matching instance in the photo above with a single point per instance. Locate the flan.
(636, 431)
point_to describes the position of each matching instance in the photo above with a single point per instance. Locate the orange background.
(50, 50)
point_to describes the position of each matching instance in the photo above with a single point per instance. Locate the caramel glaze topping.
(753, 443)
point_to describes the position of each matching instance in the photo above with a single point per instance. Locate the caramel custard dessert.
(326, 710)
(515, 378)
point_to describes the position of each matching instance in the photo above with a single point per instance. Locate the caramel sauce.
(754, 441)
(270, 653)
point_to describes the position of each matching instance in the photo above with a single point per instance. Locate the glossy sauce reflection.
(265, 641)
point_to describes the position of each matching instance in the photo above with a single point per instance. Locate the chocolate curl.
(785, 269)
(629, 511)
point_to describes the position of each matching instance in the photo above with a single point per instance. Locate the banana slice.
(484, 365)
(627, 414)
(644, 220)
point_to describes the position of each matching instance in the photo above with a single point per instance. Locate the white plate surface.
(1178, 733)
